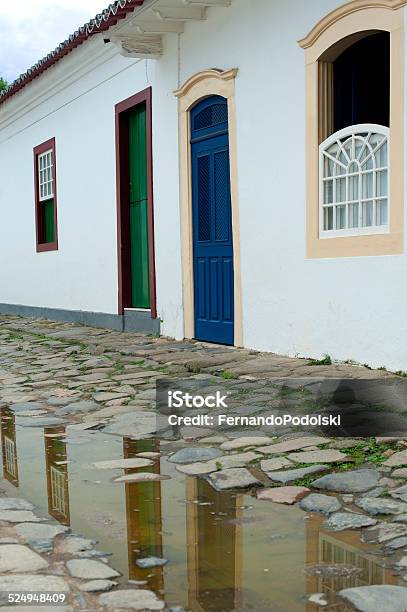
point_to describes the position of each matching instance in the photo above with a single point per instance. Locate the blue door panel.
(214, 289)
(201, 282)
(227, 285)
(212, 222)
(222, 195)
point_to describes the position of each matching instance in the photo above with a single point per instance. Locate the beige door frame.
(199, 86)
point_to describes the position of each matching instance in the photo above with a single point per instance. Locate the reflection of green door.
(140, 279)
(217, 551)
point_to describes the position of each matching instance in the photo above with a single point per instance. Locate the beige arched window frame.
(200, 86)
(330, 36)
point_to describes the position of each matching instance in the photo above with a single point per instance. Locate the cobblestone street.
(92, 389)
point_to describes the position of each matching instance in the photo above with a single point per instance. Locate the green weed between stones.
(325, 361)
(227, 375)
(304, 482)
(13, 336)
(44, 338)
(367, 451)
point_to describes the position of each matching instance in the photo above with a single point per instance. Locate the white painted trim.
(352, 129)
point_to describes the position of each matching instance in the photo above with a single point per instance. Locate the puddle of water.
(226, 551)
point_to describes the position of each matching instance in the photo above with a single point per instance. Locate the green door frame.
(123, 112)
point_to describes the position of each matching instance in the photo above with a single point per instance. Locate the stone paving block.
(318, 456)
(377, 598)
(133, 599)
(94, 586)
(232, 478)
(296, 474)
(292, 445)
(18, 558)
(317, 502)
(283, 495)
(339, 521)
(192, 455)
(353, 481)
(15, 503)
(39, 531)
(19, 516)
(73, 544)
(245, 441)
(374, 506)
(90, 569)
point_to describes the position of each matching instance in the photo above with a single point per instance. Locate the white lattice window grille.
(354, 182)
(10, 458)
(45, 175)
(58, 490)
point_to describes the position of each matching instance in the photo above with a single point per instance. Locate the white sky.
(29, 29)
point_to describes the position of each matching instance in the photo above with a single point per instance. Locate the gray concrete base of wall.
(132, 320)
(140, 321)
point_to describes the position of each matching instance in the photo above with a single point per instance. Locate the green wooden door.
(140, 277)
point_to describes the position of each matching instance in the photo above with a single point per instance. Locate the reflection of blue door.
(212, 222)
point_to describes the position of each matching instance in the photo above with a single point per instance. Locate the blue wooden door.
(212, 222)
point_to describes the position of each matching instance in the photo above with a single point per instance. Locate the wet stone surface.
(283, 495)
(320, 503)
(95, 586)
(232, 478)
(90, 569)
(348, 482)
(347, 520)
(381, 506)
(86, 459)
(14, 557)
(140, 599)
(297, 474)
(377, 598)
(192, 455)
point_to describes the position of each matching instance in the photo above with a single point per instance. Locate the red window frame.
(42, 246)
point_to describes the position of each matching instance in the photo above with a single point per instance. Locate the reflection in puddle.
(56, 465)
(143, 514)
(9, 446)
(214, 571)
(225, 551)
(326, 550)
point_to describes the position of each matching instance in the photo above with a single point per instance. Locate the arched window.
(355, 144)
(354, 181)
(353, 173)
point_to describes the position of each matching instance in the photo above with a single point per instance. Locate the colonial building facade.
(225, 170)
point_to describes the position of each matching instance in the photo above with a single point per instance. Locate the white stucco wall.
(82, 274)
(351, 308)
